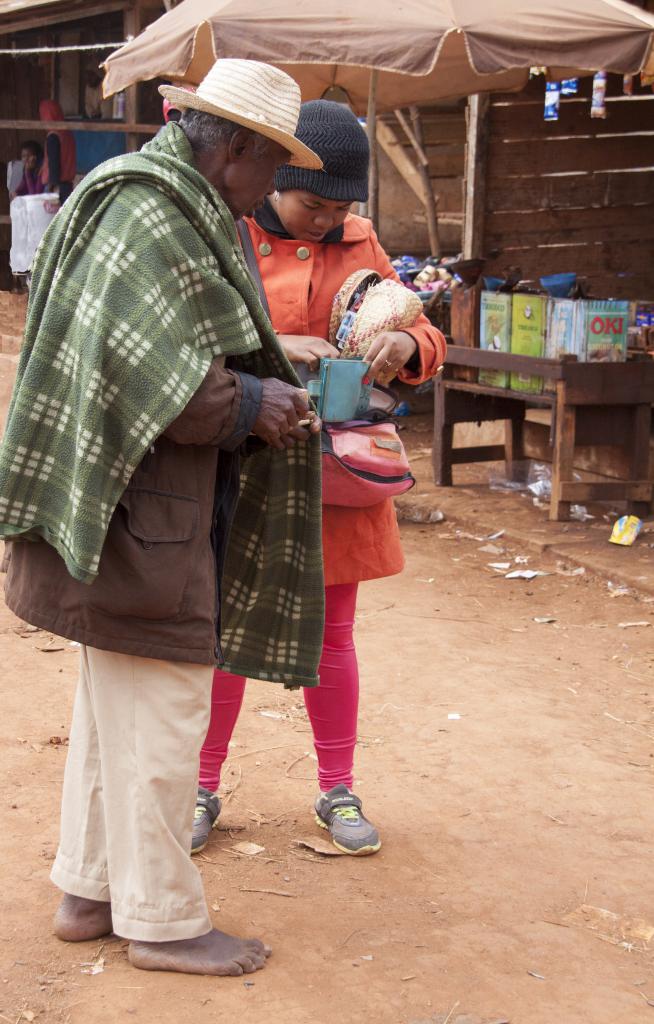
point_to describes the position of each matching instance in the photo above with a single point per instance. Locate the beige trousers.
(129, 793)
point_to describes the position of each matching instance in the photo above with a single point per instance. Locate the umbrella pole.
(373, 174)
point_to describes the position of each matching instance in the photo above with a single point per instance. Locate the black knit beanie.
(332, 131)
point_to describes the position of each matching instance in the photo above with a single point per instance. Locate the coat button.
(265, 249)
(303, 253)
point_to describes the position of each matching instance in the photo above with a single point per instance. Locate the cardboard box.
(605, 330)
(564, 335)
(528, 321)
(495, 334)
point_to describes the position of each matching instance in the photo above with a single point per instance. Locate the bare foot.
(79, 920)
(213, 953)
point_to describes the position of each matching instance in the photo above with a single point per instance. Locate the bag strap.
(252, 265)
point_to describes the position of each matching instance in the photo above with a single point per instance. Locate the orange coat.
(359, 543)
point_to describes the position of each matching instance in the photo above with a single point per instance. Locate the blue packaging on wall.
(552, 101)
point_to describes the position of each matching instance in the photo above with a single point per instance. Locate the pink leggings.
(332, 707)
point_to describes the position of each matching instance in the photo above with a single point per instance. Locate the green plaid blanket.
(138, 284)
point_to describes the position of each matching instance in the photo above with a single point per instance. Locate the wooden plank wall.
(402, 216)
(575, 194)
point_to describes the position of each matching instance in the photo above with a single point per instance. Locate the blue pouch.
(343, 393)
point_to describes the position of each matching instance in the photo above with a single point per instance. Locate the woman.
(60, 164)
(307, 243)
(31, 154)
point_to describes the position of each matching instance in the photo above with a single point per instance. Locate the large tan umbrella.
(423, 50)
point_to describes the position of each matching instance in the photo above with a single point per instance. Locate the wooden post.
(564, 451)
(373, 176)
(132, 27)
(639, 455)
(414, 135)
(443, 437)
(475, 176)
(430, 199)
(399, 157)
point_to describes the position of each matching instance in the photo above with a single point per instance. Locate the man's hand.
(388, 353)
(303, 349)
(282, 408)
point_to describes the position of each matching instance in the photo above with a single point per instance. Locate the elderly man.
(148, 362)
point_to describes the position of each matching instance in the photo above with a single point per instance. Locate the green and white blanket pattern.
(138, 284)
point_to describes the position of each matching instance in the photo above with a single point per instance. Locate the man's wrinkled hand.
(282, 407)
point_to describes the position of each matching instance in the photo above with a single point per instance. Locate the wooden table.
(591, 403)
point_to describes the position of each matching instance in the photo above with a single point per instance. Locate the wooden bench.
(591, 403)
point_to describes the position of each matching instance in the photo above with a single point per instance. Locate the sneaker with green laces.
(207, 809)
(339, 811)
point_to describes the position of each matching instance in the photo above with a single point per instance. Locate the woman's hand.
(388, 353)
(301, 348)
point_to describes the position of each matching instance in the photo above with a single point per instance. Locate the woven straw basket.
(387, 306)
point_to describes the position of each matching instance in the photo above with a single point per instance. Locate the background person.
(307, 243)
(31, 184)
(60, 164)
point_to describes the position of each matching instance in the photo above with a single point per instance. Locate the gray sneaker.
(339, 811)
(207, 809)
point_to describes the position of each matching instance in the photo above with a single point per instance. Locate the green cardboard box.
(605, 330)
(528, 337)
(495, 334)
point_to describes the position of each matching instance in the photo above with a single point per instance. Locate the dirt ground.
(508, 763)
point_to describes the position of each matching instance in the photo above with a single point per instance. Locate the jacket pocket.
(146, 560)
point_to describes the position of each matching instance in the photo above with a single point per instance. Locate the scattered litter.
(51, 647)
(650, 1002)
(409, 977)
(366, 956)
(629, 625)
(521, 559)
(415, 514)
(453, 716)
(297, 760)
(319, 846)
(248, 984)
(500, 566)
(248, 849)
(541, 977)
(30, 1015)
(419, 579)
(58, 741)
(497, 535)
(215, 906)
(544, 618)
(271, 714)
(525, 574)
(611, 927)
(580, 513)
(93, 966)
(271, 892)
(617, 589)
(563, 570)
(492, 549)
(625, 530)
(74, 643)
(539, 480)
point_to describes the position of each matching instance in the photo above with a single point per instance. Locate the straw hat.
(387, 306)
(253, 94)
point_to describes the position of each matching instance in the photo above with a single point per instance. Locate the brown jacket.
(156, 592)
